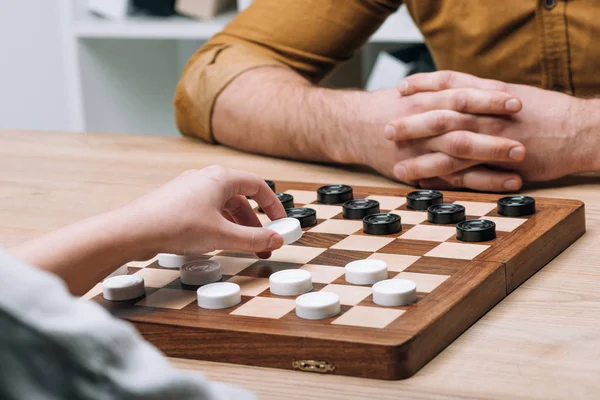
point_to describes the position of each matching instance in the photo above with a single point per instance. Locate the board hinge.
(322, 367)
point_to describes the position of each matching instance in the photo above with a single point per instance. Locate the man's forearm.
(274, 111)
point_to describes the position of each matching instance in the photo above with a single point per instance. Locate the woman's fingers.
(248, 184)
(429, 165)
(250, 239)
(242, 213)
(476, 146)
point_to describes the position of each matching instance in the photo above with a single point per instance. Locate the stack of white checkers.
(213, 294)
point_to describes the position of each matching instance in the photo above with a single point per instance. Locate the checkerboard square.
(323, 273)
(265, 307)
(388, 202)
(362, 243)
(93, 292)
(265, 268)
(296, 254)
(142, 264)
(368, 317)
(461, 251)
(168, 298)
(325, 211)
(426, 283)
(338, 226)
(233, 265)
(476, 209)
(158, 278)
(253, 204)
(339, 258)
(321, 240)
(411, 217)
(506, 224)
(395, 262)
(349, 295)
(430, 233)
(250, 286)
(303, 196)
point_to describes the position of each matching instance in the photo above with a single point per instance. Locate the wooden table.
(542, 341)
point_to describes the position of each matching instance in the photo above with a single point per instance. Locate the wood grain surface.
(542, 341)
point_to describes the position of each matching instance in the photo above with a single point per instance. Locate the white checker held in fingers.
(290, 282)
(318, 305)
(200, 272)
(394, 292)
(219, 295)
(366, 272)
(288, 228)
(123, 287)
(167, 260)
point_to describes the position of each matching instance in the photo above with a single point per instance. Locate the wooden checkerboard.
(456, 282)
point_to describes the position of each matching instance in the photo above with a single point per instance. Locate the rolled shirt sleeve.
(310, 37)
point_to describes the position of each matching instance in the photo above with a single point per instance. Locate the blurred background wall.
(112, 65)
(32, 81)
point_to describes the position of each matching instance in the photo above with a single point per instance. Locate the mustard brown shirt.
(552, 44)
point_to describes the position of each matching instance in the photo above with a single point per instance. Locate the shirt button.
(549, 4)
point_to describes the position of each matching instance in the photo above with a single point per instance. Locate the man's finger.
(476, 146)
(429, 165)
(443, 80)
(485, 180)
(250, 239)
(467, 100)
(427, 124)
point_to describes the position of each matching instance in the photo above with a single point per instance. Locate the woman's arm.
(198, 212)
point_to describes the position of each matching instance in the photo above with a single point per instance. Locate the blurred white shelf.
(148, 27)
(397, 28)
